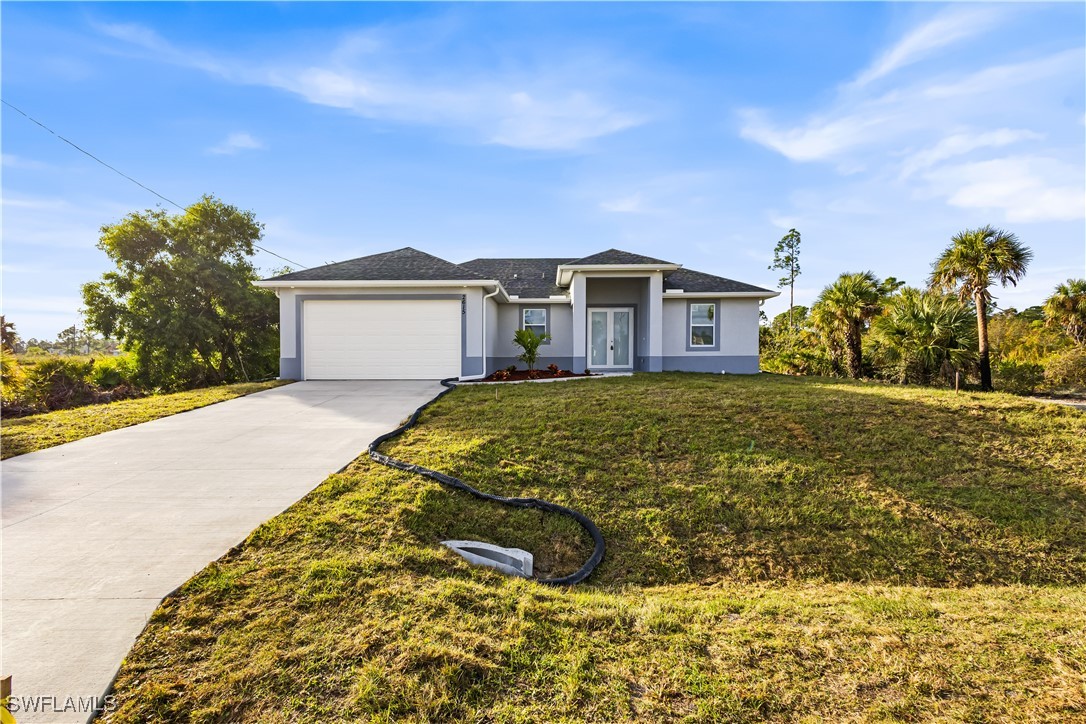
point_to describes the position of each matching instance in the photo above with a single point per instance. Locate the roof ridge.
(600, 257)
(439, 269)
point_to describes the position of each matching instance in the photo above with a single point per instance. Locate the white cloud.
(1024, 188)
(960, 144)
(160, 49)
(999, 78)
(946, 28)
(235, 143)
(856, 122)
(559, 107)
(561, 121)
(12, 161)
(822, 137)
(627, 205)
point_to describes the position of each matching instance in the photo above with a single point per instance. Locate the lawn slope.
(779, 548)
(22, 435)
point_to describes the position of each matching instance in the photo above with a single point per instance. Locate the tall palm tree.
(841, 312)
(974, 260)
(1067, 308)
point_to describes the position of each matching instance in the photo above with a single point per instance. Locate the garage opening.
(381, 339)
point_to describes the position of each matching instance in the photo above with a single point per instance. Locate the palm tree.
(974, 260)
(841, 312)
(921, 333)
(1067, 308)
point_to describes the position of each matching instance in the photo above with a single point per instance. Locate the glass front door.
(610, 338)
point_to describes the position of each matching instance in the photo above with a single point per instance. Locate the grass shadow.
(699, 478)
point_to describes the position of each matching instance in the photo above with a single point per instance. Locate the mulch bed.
(507, 376)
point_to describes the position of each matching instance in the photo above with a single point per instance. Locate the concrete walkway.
(97, 531)
(1079, 405)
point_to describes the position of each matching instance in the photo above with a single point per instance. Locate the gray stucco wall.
(508, 322)
(738, 328)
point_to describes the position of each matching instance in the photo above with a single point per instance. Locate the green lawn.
(36, 432)
(779, 548)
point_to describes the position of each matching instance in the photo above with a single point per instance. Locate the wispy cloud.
(12, 161)
(235, 143)
(999, 78)
(821, 137)
(960, 144)
(634, 204)
(924, 107)
(1025, 188)
(941, 134)
(556, 107)
(945, 29)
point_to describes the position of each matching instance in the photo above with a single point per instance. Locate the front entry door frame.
(608, 315)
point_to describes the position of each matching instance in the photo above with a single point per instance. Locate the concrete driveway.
(96, 532)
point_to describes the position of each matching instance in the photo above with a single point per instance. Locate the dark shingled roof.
(528, 278)
(694, 281)
(405, 264)
(617, 256)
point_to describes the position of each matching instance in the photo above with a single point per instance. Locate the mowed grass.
(779, 548)
(36, 432)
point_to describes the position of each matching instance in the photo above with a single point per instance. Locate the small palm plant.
(529, 341)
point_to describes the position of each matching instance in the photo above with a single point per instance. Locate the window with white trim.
(702, 325)
(535, 320)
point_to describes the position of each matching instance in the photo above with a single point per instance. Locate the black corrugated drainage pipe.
(597, 537)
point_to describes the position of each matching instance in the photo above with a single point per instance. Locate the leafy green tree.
(974, 260)
(841, 313)
(921, 334)
(786, 257)
(529, 342)
(181, 298)
(1066, 308)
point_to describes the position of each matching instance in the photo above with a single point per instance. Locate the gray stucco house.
(406, 314)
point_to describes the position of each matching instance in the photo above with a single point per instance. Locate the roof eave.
(565, 271)
(381, 283)
(707, 295)
(553, 299)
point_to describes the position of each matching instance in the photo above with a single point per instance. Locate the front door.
(610, 342)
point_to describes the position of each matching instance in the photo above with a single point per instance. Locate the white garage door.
(381, 339)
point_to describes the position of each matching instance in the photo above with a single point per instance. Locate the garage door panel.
(381, 339)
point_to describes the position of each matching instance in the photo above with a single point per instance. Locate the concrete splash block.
(511, 561)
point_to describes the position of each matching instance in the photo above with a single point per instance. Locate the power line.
(124, 175)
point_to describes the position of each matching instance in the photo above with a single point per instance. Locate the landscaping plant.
(530, 342)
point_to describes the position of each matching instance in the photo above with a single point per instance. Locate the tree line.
(946, 332)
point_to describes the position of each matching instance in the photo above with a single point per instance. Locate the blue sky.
(698, 133)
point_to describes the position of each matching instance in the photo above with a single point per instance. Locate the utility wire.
(124, 175)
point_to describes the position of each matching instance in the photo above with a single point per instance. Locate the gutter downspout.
(485, 297)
